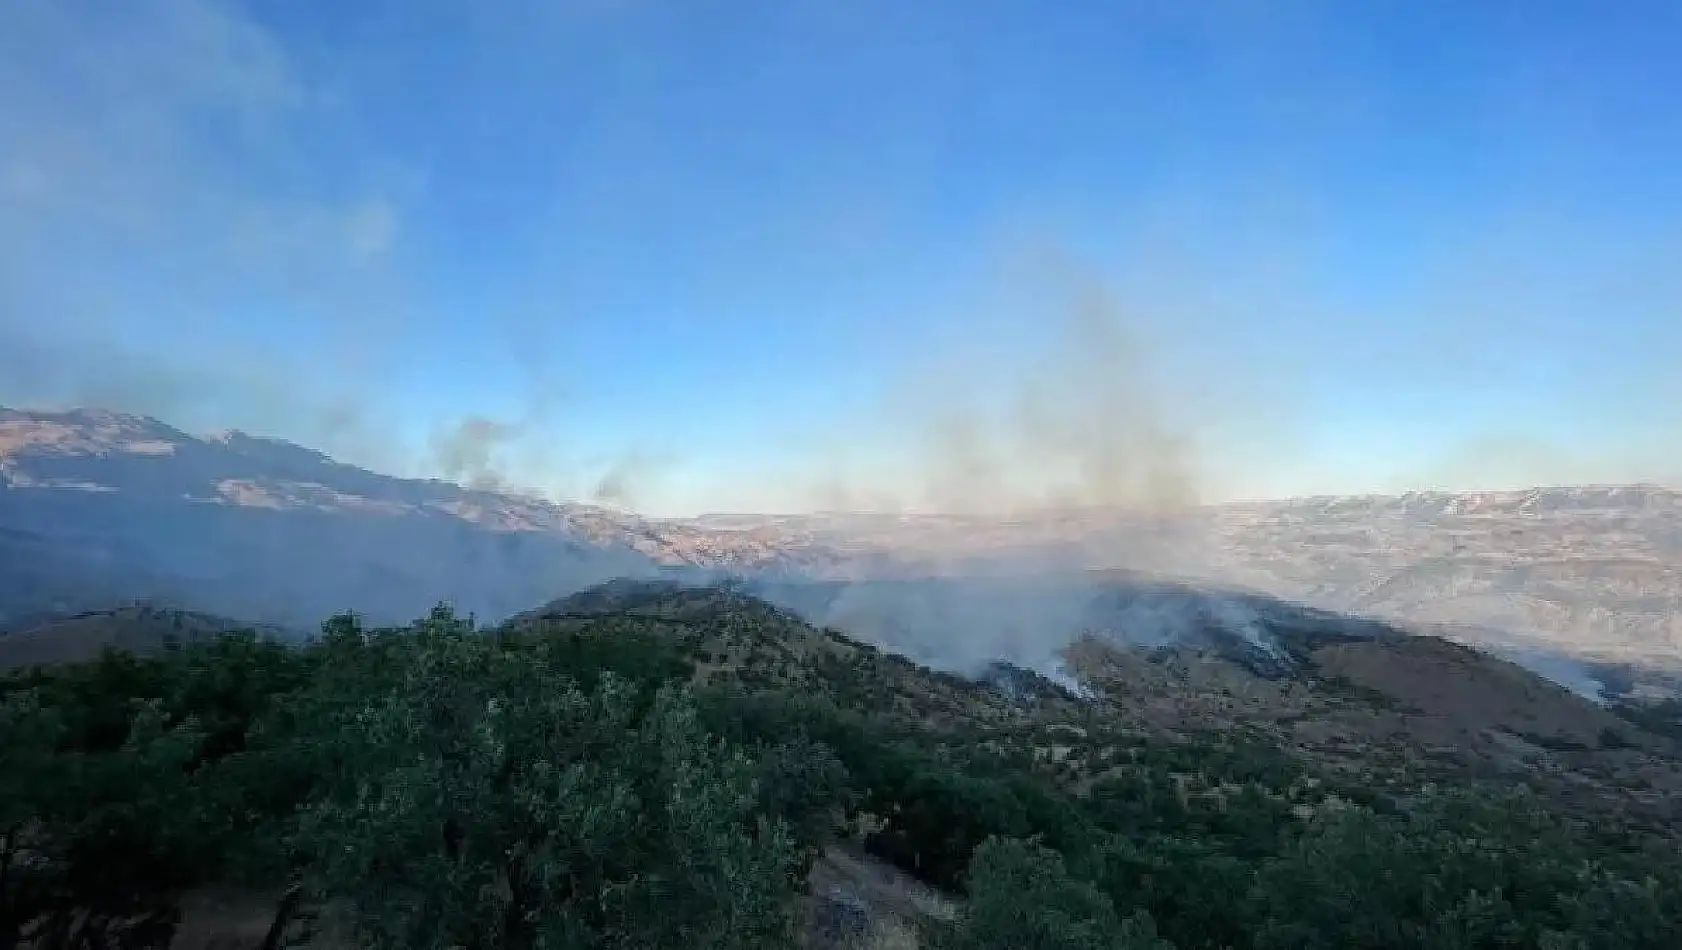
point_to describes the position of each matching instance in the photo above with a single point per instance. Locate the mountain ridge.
(113, 493)
(101, 507)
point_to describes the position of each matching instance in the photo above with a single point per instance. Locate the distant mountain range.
(1589, 571)
(101, 508)
(97, 507)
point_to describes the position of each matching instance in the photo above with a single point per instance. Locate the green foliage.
(490, 801)
(560, 783)
(1023, 898)
(1460, 871)
(1662, 718)
(29, 775)
(98, 841)
(936, 811)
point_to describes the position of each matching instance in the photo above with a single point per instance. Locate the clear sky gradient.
(769, 255)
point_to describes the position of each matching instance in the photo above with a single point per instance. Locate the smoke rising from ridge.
(1056, 409)
(1066, 406)
(466, 453)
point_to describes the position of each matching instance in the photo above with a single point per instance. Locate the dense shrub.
(562, 784)
(1023, 898)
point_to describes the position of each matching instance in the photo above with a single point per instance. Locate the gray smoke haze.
(467, 452)
(1070, 412)
(1023, 613)
(1079, 428)
(1067, 414)
(1088, 385)
(625, 478)
(963, 623)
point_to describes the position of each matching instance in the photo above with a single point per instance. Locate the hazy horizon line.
(818, 512)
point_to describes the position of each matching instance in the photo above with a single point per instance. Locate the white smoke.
(965, 623)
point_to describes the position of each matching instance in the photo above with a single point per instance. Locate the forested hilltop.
(653, 766)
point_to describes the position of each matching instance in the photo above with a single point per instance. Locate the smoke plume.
(1061, 402)
(467, 452)
(1056, 437)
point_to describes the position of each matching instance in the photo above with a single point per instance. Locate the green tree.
(1021, 897)
(97, 846)
(1461, 870)
(487, 801)
(28, 780)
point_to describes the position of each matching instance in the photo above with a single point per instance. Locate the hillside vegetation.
(137, 628)
(649, 766)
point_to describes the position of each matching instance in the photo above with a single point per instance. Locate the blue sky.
(711, 255)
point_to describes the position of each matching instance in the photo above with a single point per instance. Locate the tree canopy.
(580, 785)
